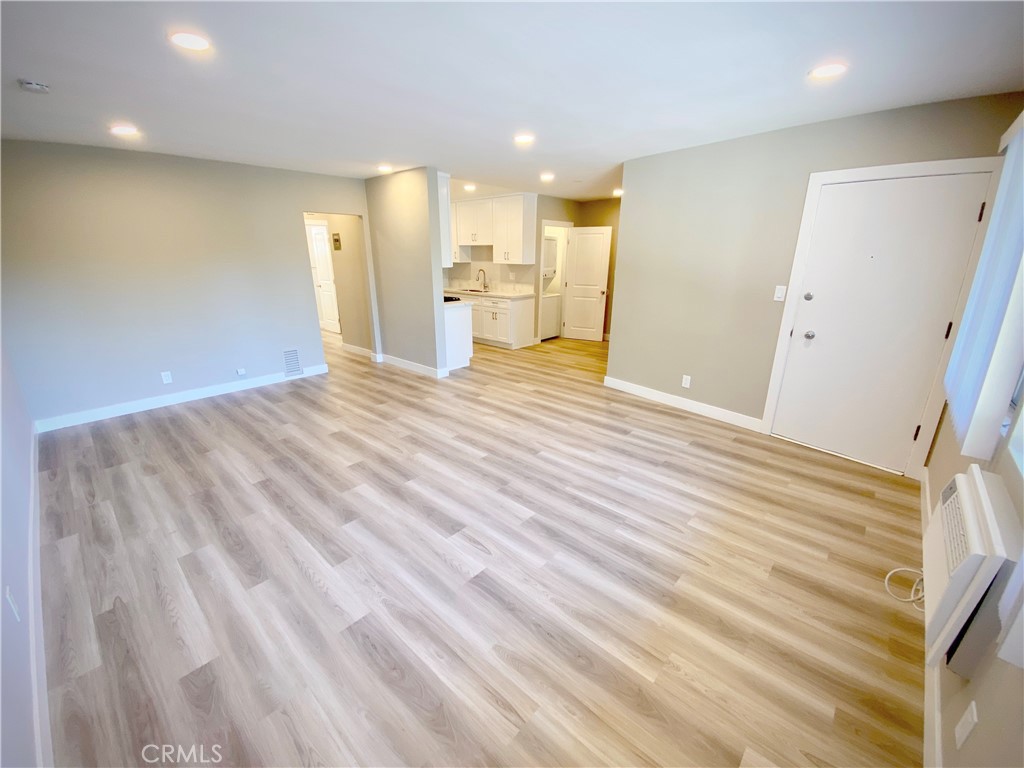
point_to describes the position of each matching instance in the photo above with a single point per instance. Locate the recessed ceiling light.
(547, 176)
(190, 41)
(524, 139)
(32, 86)
(828, 71)
(470, 187)
(617, 192)
(384, 168)
(124, 130)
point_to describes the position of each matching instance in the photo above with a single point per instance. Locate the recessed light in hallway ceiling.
(190, 41)
(124, 130)
(828, 71)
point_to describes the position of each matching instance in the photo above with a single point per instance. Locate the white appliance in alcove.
(550, 315)
(549, 256)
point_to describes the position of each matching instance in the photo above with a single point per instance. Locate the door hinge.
(949, 328)
(981, 212)
(917, 432)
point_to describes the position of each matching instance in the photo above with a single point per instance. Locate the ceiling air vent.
(291, 363)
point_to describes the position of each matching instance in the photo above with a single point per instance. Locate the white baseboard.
(37, 649)
(693, 406)
(374, 356)
(926, 494)
(932, 717)
(408, 365)
(187, 395)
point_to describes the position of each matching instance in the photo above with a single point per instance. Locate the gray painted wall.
(707, 233)
(17, 734)
(405, 237)
(118, 265)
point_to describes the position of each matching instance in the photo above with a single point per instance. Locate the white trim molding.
(692, 406)
(1006, 138)
(408, 365)
(936, 398)
(926, 494)
(374, 356)
(933, 716)
(149, 403)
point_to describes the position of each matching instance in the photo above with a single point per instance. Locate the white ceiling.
(338, 88)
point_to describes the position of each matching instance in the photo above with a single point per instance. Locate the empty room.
(512, 384)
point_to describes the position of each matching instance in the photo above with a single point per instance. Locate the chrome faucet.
(482, 272)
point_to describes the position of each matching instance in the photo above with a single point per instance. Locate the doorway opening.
(321, 264)
(574, 281)
(554, 244)
(340, 280)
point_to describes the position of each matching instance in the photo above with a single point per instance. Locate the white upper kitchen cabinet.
(475, 222)
(508, 230)
(458, 254)
(448, 246)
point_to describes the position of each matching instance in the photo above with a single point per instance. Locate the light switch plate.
(966, 724)
(686, 381)
(780, 293)
(166, 377)
(240, 371)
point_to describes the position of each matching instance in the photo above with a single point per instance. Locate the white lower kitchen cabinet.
(503, 322)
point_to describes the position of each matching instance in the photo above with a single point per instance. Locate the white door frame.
(937, 396)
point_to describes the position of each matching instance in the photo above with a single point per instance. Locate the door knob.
(602, 293)
(808, 296)
(809, 335)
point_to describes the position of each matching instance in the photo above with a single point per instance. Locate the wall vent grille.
(291, 363)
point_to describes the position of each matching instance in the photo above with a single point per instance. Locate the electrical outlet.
(780, 293)
(686, 382)
(966, 724)
(166, 376)
(240, 371)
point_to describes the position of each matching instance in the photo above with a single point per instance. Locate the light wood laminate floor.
(515, 566)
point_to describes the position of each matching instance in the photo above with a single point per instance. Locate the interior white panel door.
(886, 264)
(327, 294)
(586, 282)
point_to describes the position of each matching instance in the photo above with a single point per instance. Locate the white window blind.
(989, 350)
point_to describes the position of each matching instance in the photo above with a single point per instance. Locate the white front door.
(886, 265)
(586, 282)
(318, 241)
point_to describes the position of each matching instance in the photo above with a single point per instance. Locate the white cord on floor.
(916, 596)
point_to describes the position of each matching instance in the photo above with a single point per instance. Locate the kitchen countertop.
(487, 294)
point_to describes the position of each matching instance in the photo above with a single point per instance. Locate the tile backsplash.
(507, 278)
